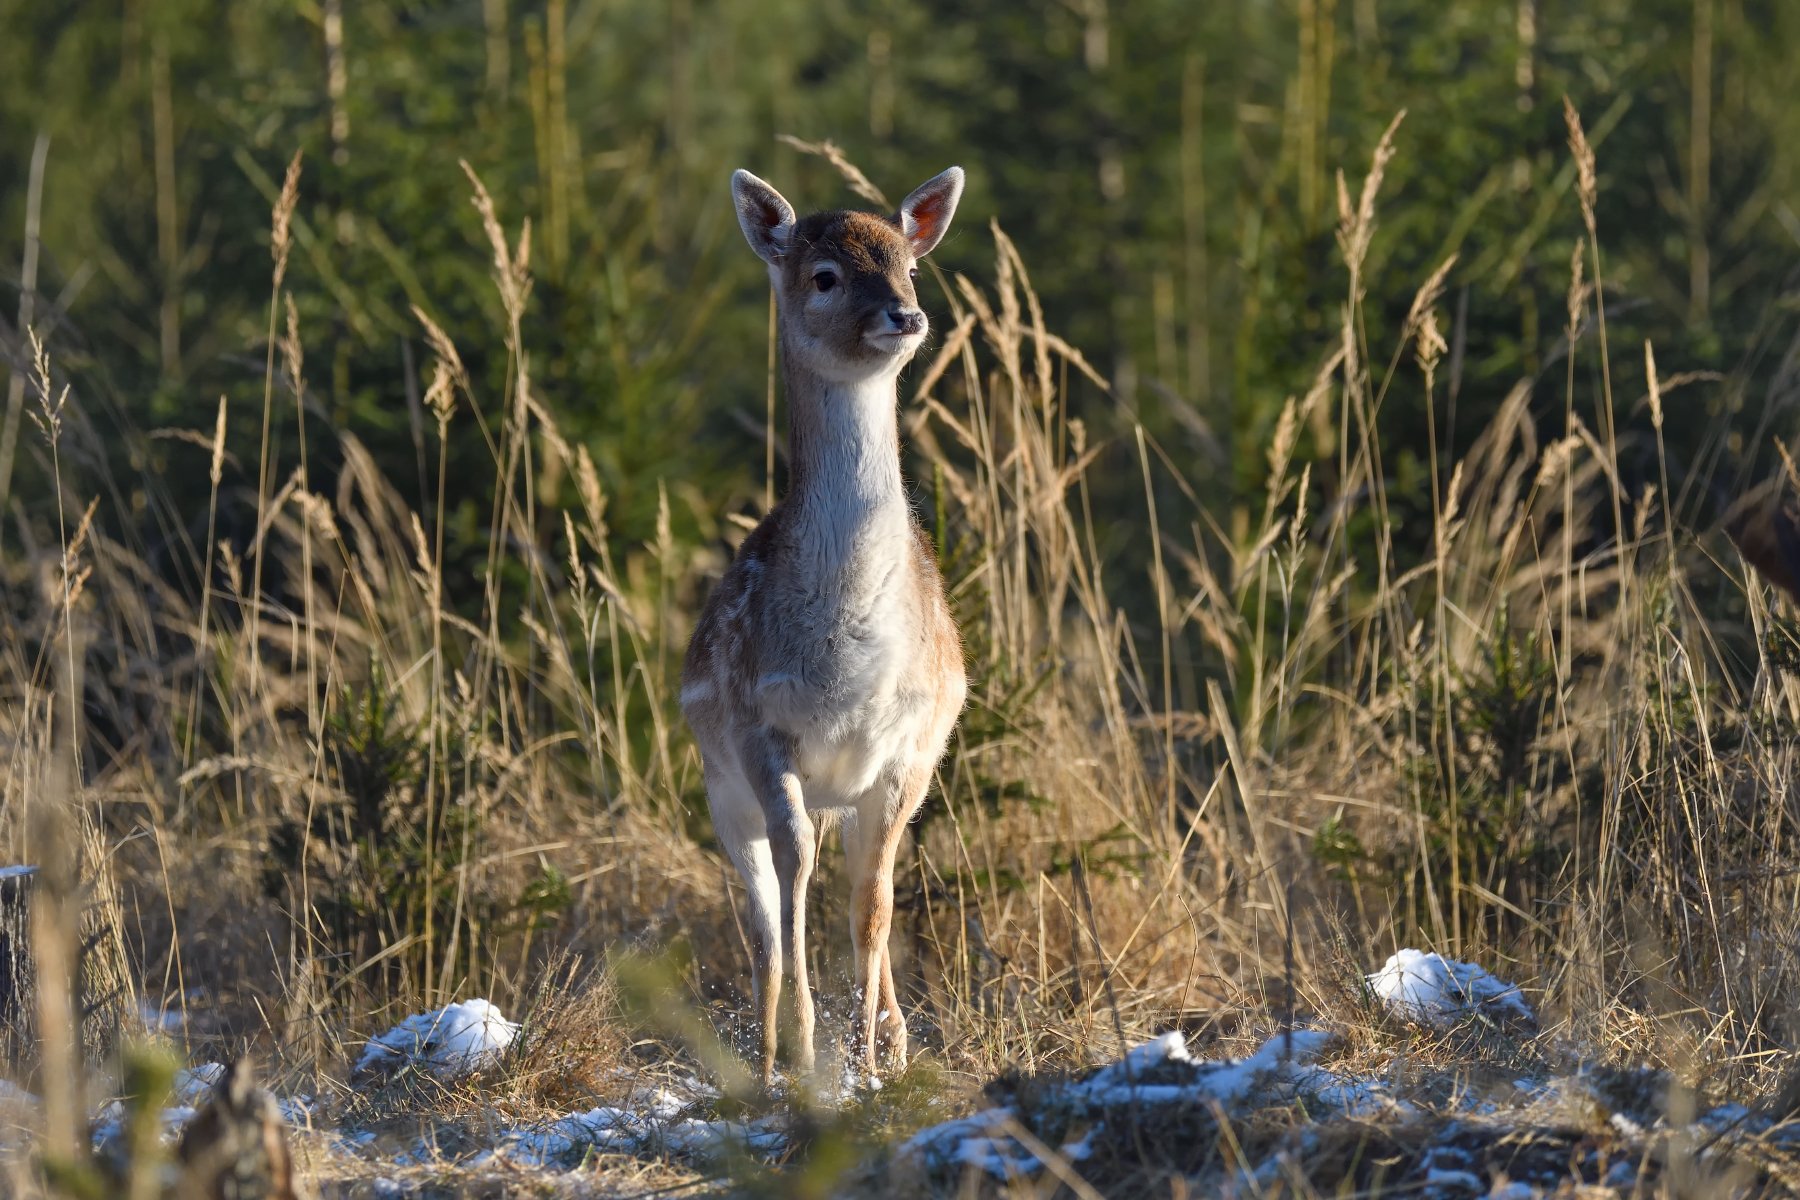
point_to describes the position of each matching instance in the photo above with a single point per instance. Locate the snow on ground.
(158, 1019)
(108, 1129)
(652, 1121)
(169, 1014)
(191, 1088)
(195, 1084)
(1159, 1072)
(450, 1041)
(1462, 1125)
(1503, 1116)
(1442, 992)
(1598, 1128)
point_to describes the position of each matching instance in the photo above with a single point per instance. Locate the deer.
(826, 672)
(1764, 525)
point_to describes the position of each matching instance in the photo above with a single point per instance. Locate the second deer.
(826, 673)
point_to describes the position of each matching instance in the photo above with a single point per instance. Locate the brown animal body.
(1765, 527)
(826, 673)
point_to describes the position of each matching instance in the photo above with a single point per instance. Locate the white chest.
(850, 692)
(843, 658)
(841, 610)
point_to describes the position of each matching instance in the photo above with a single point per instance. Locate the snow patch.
(1442, 991)
(191, 1088)
(652, 1123)
(1514, 1191)
(158, 1019)
(109, 1127)
(1226, 1082)
(295, 1110)
(195, 1084)
(1142, 1077)
(450, 1041)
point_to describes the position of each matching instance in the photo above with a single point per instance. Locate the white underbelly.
(833, 775)
(848, 755)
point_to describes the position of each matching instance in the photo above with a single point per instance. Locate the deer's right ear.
(767, 219)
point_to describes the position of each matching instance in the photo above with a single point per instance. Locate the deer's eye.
(913, 274)
(824, 280)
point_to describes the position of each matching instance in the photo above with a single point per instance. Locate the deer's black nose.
(907, 320)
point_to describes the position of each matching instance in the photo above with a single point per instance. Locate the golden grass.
(1538, 745)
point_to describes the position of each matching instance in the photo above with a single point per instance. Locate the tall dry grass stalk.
(1281, 754)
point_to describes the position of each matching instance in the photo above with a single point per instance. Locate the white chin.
(895, 344)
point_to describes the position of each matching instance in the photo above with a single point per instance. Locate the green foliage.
(382, 855)
(1504, 706)
(1006, 718)
(1336, 845)
(1479, 785)
(1483, 821)
(1121, 144)
(1781, 644)
(374, 753)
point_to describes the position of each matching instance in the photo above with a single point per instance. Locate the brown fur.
(826, 673)
(1765, 527)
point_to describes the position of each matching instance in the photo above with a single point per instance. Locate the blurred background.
(1168, 171)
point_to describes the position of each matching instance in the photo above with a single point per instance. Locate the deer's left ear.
(925, 215)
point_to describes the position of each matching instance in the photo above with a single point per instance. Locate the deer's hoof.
(890, 1041)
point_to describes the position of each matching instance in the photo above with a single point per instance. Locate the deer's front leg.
(879, 1025)
(792, 849)
(741, 829)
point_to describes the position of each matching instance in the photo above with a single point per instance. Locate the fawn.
(826, 672)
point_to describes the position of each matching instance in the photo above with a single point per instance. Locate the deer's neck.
(845, 490)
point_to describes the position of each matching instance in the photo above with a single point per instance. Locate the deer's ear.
(925, 215)
(766, 218)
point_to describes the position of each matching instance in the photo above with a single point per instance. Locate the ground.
(1441, 1084)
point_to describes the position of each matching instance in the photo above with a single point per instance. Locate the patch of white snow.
(109, 1126)
(195, 1084)
(1142, 1076)
(1442, 991)
(653, 1124)
(450, 1041)
(1439, 1177)
(295, 1110)
(158, 1019)
(1226, 1081)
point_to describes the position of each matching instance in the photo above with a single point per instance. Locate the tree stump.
(103, 989)
(18, 974)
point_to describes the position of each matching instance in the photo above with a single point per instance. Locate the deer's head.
(844, 281)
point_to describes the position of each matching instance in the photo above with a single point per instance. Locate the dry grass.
(1556, 743)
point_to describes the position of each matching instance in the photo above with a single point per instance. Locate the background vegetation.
(1169, 170)
(1330, 499)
